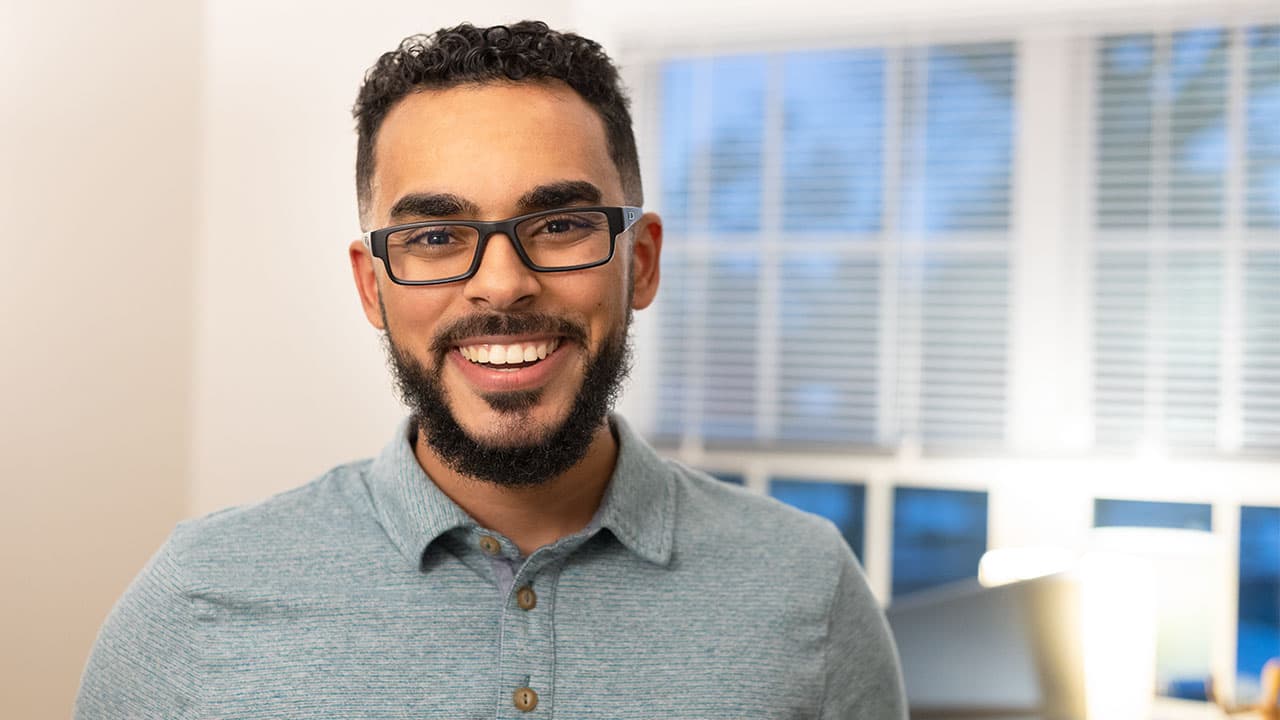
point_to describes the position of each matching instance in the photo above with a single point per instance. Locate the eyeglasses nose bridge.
(508, 230)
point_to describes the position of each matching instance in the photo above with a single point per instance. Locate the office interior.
(993, 287)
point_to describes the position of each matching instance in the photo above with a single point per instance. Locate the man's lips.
(498, 352)
(477, 361)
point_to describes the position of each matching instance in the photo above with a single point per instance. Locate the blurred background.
(993, 286)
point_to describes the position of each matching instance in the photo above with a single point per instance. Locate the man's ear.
(364, 269)
(646, 256)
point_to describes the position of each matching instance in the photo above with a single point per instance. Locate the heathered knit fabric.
(365, 594)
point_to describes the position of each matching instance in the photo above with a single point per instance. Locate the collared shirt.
(368, 593)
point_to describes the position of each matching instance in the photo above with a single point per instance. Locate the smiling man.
(516, 550)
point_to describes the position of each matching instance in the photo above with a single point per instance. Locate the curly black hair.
(524, 51)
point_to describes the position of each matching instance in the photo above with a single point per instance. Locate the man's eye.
(433, 236)
(558, 225)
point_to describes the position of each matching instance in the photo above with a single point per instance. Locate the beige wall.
(98, 138)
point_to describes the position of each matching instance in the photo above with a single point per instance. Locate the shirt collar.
(638, 506)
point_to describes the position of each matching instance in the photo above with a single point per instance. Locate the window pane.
(964, 346)
(1192, 342)
(737, 142)
(1121, 309)
(842, 503)
(1259, 638)
(1261, 362)
(1125, 119)
(729, 362)
(1263, 154)
(1197, 89)
(939, 536)
(828, 316)
(958, 138)
(833, 139)
(1157, 334)
(680, 142)
(1143, 513)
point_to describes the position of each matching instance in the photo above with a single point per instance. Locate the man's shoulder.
(713, 511)
(305, 521)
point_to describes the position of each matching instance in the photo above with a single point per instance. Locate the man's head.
(526, 51)
(485, 125)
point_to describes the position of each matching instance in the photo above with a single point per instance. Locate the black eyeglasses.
(444, 251)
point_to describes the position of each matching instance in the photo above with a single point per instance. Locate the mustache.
(505, 324)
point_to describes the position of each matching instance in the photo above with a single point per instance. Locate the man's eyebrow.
(432, 205)
(557, 195)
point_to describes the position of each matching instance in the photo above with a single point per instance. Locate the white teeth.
(509, 354)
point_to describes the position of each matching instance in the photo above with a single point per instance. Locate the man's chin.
(511, 422)
(514, 402)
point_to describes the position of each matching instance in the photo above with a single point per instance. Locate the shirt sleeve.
(863, 676)
(144, 662)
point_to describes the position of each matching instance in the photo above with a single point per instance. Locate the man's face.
(490, 152)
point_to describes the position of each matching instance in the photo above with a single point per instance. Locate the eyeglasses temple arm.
(630, 215)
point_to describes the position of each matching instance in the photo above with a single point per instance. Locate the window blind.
(1186, 191)
(836, 263)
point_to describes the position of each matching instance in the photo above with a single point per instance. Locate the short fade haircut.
(523, 52)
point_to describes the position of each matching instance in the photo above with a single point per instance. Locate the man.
(515, 551)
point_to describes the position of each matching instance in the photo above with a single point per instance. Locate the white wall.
(98, 143)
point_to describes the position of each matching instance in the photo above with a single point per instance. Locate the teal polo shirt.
(368, 593)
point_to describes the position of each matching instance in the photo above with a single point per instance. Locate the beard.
(515, 464)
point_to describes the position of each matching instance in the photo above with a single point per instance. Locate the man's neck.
(531, 516)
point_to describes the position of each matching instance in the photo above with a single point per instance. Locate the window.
(1187, 257)
(842, 503)
(836, 264)
(939, 536)
(1259, 636)
(840, 263)
(1143, 513)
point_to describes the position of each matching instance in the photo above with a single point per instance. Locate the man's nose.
(502, 280)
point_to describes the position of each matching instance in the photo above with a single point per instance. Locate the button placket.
(528, 644)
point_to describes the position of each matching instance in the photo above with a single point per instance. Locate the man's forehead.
(490, 144)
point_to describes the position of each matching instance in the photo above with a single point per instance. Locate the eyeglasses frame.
(621, 219)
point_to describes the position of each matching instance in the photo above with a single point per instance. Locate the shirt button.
(490, 545)
(526, 598)
(525, 699)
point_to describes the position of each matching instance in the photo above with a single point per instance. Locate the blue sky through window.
(939, 536)
(1259, 618)
(1145, 513)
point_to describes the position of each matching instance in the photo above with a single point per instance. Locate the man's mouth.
(511, 356)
